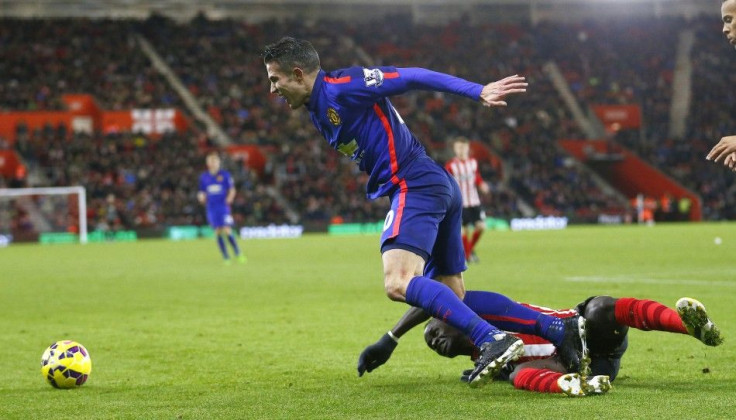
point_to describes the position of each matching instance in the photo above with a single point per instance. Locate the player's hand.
(484, 187)
(730, 161)
(494, 93)
(376, 354)
(724, 150)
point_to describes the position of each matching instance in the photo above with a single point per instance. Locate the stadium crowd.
(136, 181)
(41, 60)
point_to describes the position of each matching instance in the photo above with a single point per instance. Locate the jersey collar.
(316, 89)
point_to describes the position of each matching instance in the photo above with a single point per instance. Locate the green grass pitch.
(173, 333)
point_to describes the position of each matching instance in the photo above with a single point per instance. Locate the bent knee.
(396, 286)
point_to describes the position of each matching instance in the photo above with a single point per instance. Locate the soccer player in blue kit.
(217, 192)
(421, 244)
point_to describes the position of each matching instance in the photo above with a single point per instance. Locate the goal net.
(49, 214)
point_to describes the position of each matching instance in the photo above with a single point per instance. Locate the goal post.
(79, 191)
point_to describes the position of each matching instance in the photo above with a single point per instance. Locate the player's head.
(446, 340)
(213, 162)
(605, 335)
(728, 15)
(461, 147)
(292, 65)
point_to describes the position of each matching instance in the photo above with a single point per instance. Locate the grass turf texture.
(175, 334)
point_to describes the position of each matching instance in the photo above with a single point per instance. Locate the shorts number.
(389, 219)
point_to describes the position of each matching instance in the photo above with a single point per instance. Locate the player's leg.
(697, 323)
(228, 232)
(446, 263)
(647, 315)
(410, 233)
(221, 244)
(216, 221)
(466, 242)
(549, 376)
(479, 226)
(512, 316)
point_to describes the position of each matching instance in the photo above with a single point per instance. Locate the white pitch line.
(643, 280)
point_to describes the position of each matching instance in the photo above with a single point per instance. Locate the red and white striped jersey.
(467, 175)
(537, 347)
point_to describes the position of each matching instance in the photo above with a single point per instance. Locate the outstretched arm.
(378, 353)
(366, 86)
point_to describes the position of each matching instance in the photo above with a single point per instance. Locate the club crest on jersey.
(219, 178)
(373, 77)
(333, 116)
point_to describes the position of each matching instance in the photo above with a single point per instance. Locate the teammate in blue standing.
(421, 241)
(217, 192)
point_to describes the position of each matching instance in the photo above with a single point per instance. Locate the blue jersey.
(350, 108)
(216, 187)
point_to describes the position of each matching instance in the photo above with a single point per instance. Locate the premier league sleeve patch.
(372, 77)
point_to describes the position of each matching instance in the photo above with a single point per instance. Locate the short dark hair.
(290, 52)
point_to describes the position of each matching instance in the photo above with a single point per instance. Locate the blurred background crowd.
(139, 181)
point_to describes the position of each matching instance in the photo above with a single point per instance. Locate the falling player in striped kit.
(466, 172)
(607, 323)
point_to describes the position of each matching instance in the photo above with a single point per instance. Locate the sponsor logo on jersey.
(214, 188)
(333, 117)
(348, 149)
(373, 77)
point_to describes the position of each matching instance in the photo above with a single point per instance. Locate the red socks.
(466, 246)
(648, 315)
(538, 380)
(474, 240)
(469, 244)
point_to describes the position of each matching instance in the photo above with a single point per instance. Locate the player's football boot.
(573, 385)
(242, 259)
(696, 321)
(573, 351)
(492, 357)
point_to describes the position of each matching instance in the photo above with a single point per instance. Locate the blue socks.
(231, 239)
(223, 248)
(512, 316)
(442, 303)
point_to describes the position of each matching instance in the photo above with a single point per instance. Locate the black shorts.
(474, 214)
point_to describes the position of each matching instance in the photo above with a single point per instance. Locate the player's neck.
(309, 81)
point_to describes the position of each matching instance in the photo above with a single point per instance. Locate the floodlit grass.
(175, 334)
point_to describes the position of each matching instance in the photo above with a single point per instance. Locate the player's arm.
(366, 86)
(479, 182)
(230, 195)
(230, 186)
(201, 194)
(448, 167)
(379, 352)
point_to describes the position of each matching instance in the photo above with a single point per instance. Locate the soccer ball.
(66, 364)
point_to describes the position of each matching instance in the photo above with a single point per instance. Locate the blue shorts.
(426, 218)
(219, 217)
